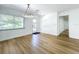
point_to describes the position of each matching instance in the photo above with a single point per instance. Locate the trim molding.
(15, 37)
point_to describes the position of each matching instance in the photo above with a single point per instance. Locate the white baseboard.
(15, 37)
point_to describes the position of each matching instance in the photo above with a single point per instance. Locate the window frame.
(14, 28)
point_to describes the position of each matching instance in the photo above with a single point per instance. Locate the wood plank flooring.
(40, 44)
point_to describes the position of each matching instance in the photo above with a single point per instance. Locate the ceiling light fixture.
(30, 12)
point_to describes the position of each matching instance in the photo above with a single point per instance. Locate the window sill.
(12, 29)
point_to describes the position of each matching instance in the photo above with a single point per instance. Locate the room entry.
(34, 26)
(64, 26)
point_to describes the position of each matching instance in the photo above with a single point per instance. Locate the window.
(10, 22)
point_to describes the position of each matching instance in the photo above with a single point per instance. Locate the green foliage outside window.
(10, 22)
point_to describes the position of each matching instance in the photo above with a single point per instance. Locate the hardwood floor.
(64, 35)
(40, 44)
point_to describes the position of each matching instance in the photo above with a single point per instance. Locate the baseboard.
(14, 37)
(33, 33)
(74, 38)
(58, 35)
(48, 34)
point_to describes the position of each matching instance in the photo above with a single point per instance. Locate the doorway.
(63, 27)
(35, 27)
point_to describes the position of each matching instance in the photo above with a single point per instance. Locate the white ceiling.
(43, 8)
(48, 8)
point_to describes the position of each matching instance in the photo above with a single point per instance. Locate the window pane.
(10, 22)
(18, 22)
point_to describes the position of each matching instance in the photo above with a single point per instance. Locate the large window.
(10, 22)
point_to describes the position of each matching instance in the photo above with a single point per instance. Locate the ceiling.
(43, 8)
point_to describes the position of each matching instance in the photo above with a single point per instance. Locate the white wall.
(49, 24)
(8, 34)
(63, 13)
(74, 23)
